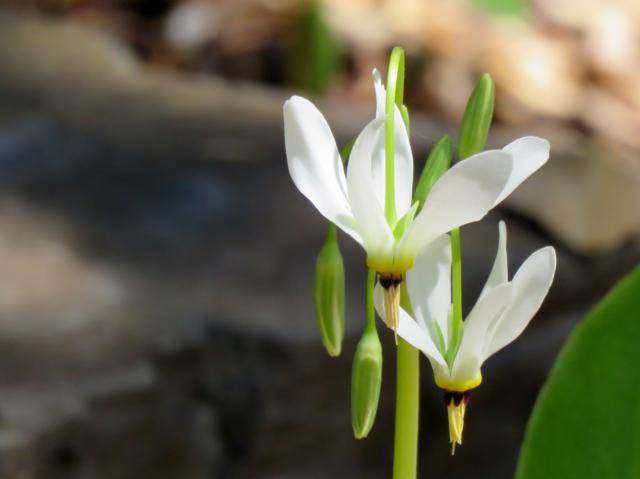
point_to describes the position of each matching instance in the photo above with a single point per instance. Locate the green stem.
(456, 286)
(405, 453)
(332, 234)
(395, 94)
(371, 310)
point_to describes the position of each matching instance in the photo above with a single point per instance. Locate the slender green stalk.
(371, 310)
(405, 459)
(395, 94)
(405, 452)
(456, 286)
(332, 233)
(474, 129)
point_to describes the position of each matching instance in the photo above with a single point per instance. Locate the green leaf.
(586, 423)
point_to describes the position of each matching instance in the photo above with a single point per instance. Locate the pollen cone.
(456, 407)
(392, 307)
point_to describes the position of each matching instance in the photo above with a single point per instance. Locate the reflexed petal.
(528, 289)
(314, 163)
(410, 331)
(381, 93)
(529, 154)
(486, 312)
(403, 163)
(371, 223)
(463, 194)
(417, 337)
(500, 271)
(429, 287)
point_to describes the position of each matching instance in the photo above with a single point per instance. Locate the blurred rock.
(612, 41)
(585, 195)
(612, 117)
(190, 25)
(545, 79)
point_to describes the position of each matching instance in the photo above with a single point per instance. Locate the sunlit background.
(156, 261)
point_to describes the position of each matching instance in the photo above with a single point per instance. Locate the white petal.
(486, 311)
(378, 300)
(314, 163)
(463, 194)
(403, 162)
(417, 337)
(429, 287)
(529, 154)
(500, 271)
(528, 289)
(381, 93)
(371, 223)
(410, 331)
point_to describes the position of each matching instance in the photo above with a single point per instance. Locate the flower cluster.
(411, 249)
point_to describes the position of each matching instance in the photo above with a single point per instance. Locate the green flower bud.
(329, 294)
(437, 163)
(366, 378)
(477, 118)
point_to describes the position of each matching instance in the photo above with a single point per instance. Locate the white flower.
(501, 313)
(355, 201)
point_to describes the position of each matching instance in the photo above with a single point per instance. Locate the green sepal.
(442, 345)
(404, 222)
(330, 294)
(366, 380)
(437, 163)
(477, 118)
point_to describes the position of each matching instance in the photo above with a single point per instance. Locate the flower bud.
(437, 163)
(366, 378)
(477, 118)
(329, 294)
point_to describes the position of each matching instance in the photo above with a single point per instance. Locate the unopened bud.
(329, 294)
(366, 378)
(437, 163)
(477, 118)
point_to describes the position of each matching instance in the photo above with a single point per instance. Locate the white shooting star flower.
(355, 201)
(501, 313)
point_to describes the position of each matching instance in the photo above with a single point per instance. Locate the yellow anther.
(392, 308)
(456, 407)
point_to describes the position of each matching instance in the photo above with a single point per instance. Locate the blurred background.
(156, 261)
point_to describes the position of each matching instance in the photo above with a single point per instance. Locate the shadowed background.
(156, 261)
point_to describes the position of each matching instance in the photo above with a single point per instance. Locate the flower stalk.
(474, 130)
(456, 306)
(395, 95)
(405, 460)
